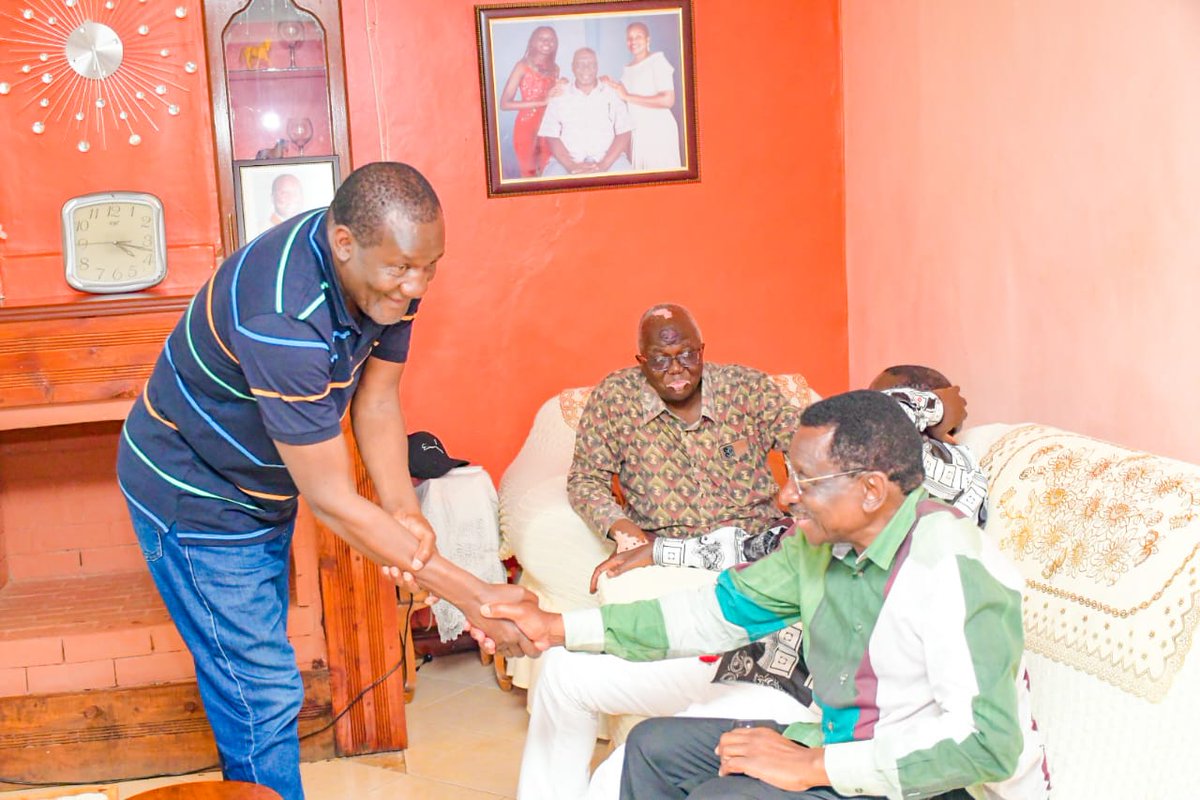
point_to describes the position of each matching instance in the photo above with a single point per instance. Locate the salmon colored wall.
(540, 293)
(1023, 207)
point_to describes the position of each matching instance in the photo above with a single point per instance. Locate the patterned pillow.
(572, 401)
(1107, 539)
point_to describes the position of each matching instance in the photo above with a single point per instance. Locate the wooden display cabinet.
(277, 74)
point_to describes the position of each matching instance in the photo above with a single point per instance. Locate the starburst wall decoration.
(100, 71)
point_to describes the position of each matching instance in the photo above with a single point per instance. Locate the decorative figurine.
(257, 56)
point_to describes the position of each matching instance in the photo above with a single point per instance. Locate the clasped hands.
(501, 617)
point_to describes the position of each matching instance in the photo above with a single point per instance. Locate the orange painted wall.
(1023, 207)
(535, 293)
(544, 292)
(38, 173)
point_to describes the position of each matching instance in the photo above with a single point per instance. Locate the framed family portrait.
(587, 95)
(269, 191)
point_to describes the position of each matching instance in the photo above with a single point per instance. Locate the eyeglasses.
(688, 359)
(803, 482)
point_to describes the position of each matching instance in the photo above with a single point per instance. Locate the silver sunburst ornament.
(93, 67)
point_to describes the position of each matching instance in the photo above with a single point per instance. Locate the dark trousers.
(672, 757)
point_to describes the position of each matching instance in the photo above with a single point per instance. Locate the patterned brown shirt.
(681, 480)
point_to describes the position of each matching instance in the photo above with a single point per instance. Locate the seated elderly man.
(587, 126)
(912, 633)
(688, 442)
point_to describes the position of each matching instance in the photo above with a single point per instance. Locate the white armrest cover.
(1108, 540)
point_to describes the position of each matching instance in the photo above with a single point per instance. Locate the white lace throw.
(462, 508)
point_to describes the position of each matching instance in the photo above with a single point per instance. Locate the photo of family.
(584, 95)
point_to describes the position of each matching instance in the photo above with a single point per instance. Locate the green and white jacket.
(914, 646)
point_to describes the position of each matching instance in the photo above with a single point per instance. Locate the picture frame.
(269, 191)
(633, 123)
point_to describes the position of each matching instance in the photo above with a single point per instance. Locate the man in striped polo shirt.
(913, 638)
(243, 412)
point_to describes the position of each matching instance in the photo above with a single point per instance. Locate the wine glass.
(292, 32)
(300, 131)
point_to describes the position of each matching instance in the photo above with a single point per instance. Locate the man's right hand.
(621, 562)
(542, 628)
(494, 632)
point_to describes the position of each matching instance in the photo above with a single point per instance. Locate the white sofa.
(1108, 540)
(557, 550)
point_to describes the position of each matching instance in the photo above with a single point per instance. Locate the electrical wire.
(209, 768)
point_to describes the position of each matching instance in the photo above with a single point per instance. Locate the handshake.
(502, 618)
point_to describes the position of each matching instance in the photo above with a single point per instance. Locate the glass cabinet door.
(277, 77)
(277, 82)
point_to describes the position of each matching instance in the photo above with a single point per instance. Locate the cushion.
(1107, 539)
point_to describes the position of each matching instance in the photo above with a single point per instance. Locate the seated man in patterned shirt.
(912, 627)
(688, 442)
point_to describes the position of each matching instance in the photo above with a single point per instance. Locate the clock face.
(114, 242)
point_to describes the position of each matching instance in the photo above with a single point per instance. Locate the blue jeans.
(230, 606)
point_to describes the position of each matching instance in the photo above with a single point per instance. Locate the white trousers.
(575, 688)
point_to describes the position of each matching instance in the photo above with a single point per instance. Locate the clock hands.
(126, 246)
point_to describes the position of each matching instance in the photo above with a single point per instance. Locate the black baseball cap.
(427, 456)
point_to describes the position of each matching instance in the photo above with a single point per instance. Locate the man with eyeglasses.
(913, 635)
(688, 442)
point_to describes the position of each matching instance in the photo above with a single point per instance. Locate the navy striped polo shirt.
(266, 351)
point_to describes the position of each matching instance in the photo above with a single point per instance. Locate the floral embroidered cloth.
(1108, 540)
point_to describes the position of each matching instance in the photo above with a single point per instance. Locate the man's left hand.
(954, 412)
(772, 758)
(415, 523)
(621, 562)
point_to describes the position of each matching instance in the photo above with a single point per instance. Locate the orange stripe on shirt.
(291, 398)
(266, 496)
(212, 326)
(155, 414)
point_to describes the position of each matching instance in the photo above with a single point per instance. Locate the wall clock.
(114, 242)
(102, 71)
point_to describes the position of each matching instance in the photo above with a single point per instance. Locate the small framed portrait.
(587, 95)
(270, 191)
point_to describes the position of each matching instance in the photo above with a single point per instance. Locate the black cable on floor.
(357, 699)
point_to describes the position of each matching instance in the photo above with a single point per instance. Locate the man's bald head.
(666, 325)
(671, 354)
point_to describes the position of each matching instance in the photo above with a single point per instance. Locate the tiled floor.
(465, 738)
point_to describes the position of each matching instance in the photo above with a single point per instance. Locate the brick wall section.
(69, 634)
(62, 513)
(78, 609)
